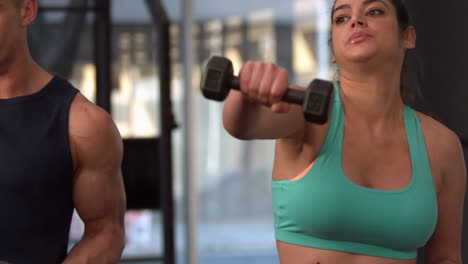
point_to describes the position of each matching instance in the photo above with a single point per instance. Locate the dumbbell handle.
(292, 96)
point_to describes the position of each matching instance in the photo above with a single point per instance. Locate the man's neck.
(21, 75)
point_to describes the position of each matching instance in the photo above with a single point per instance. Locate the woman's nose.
(358, 21)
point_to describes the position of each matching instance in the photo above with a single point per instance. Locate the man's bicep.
(98, 184)
(98, 196)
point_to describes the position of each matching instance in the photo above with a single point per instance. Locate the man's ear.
(28, 11)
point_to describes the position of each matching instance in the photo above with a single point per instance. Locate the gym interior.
(195, 194)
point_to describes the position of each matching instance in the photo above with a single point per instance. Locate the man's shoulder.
(86, 119)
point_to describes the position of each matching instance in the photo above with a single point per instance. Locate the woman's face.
(368, 29)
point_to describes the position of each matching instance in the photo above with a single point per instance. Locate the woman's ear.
(410, 38)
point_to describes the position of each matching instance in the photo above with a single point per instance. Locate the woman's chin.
(360, 57)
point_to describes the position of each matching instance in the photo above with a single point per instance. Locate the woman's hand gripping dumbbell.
(218, 79)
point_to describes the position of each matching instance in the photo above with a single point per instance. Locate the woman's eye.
(374, 12)
(341, 19)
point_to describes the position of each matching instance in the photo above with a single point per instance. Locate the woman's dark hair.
(409, 88)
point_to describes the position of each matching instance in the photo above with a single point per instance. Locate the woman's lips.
(358, 37)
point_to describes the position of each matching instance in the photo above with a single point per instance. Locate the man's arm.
(99, 195)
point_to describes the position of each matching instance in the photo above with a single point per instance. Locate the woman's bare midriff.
(294, 254)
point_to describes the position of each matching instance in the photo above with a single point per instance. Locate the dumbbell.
(218, 79)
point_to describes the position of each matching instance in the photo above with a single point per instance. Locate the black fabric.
(36, 174)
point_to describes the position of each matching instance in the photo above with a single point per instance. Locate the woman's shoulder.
(433, 126)
(438, 137)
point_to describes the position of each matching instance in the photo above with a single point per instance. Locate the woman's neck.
(372, 98)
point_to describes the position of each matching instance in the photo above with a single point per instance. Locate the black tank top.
(36, 174)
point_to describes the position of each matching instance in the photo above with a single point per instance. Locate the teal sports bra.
(326, 210)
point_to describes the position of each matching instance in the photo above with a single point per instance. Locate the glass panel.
(135, 103)
(61, 42)
(135, 96)
(235, 216)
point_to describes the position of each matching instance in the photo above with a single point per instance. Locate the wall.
(442, 45)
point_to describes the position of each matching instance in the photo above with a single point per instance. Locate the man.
(58, 151)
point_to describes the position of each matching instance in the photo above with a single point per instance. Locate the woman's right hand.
(257, 112)
(265, 83)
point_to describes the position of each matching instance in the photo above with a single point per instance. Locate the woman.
(376, 182)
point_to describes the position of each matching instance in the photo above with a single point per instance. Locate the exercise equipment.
(218, 79)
